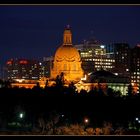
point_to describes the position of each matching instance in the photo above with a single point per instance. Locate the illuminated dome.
(67, 53)
(67, 59)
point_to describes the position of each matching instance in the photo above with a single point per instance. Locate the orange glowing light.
(23, 62)
(9, 62)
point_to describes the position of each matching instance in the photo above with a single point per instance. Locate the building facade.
(67, 60)
(47, 66)
(121, 53)
(94, 56)
(135, 66)
(103, 80)
(23, 69)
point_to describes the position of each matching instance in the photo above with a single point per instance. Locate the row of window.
(135, 77)
(105, 60)
(103, 63)
(97, 66)
(135, 81)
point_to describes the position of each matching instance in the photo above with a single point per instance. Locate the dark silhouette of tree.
(37, 87)
(1, 83)
(72, 88)
(60, 80)
(46, 84)
(130, 90)
(110, 92)
(100, 90)
(7, 84)
(48, 124)
(83, 92)
(117, 93)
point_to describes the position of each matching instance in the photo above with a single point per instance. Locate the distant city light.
(19, 80)
(86, 120)
(90, 73)
(102, 46)
(137, 119)
(84, 78)
(138, 45)
(132, 84)
(21, 115)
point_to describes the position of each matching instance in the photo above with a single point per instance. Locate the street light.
(21, 115)
(86, 120)
(102, 46)
(137, 119)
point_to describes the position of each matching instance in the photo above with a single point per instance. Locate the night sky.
(36, 31)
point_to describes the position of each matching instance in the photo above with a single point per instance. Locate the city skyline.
(36, 31)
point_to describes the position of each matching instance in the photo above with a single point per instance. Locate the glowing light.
(21, 115)
(23, 62)
(20, 80)
(137, 119)
(132, 84)
(9, 62)
(86, 120)
(84, 78)
(138, 45)
(102, 46)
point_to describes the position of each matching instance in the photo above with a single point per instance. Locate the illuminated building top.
(67, 36)
(67, 59)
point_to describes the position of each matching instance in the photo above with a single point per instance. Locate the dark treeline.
(66, 99)
(38, 103)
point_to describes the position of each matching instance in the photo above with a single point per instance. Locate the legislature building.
(67, 60)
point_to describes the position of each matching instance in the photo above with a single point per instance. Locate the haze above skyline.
(37, 31)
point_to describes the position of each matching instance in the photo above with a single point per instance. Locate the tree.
(107, 128)
(7, 84)
(47, 124)
(130, 90)
(110, 92)
(37, 86)
(60, 80)
(72, 88)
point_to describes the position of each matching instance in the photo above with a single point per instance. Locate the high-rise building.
(121, 53)
(47, 66)
(23, 69)
(135, 65)
(94, 56)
